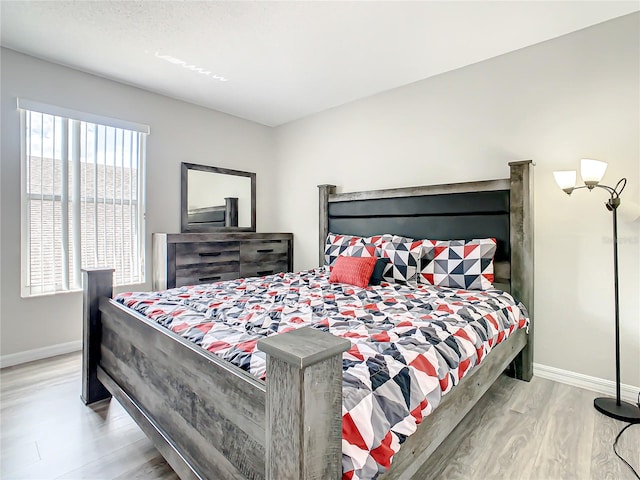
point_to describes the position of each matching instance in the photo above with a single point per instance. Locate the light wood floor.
(538, 430)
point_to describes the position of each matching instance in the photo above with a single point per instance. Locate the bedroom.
(555, 102)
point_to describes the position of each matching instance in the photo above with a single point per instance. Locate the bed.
(212, 419)
(218, 216)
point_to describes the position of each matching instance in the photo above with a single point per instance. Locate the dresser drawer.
(256, 251)
(207, 253)
(263, 257)
(263, 268)
(197, 274)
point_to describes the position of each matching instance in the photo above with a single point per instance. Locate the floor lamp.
(592, 172)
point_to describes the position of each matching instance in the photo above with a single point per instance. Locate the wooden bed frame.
(211, 420)
(219, 216)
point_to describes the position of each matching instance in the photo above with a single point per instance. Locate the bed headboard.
(201, 219)
(502, 209)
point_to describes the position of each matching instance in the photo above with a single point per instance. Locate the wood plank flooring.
(540, 430)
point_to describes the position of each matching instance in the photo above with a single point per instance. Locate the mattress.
(410, 345)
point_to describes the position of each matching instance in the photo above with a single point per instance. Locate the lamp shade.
(566, 179)
(592, 171)
(629, 211)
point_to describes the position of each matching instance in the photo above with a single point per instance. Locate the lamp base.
(625, 412)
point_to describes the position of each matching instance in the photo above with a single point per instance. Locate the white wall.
(180, 132)
(556, 102)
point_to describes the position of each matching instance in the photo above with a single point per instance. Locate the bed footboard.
(206, 416)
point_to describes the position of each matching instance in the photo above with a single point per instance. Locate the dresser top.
(219, 237)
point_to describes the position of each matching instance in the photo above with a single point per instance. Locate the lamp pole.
(612, 407)
(615, 408)
(614, 211)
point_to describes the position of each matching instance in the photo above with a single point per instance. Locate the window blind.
(82, 199)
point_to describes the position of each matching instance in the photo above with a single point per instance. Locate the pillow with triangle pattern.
(335, 245)
(404, 261)
(458, 263)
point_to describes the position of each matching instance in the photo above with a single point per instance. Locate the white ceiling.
(285, 60)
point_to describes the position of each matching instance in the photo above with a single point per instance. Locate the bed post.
(96, 283)
(324, 190)
(231, 211)
(522, 254)
(304, 405)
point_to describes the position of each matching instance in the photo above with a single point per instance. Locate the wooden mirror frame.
(185, 227)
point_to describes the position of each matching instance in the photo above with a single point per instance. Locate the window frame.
(71, 159)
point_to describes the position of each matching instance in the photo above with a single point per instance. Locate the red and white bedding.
(410, 344)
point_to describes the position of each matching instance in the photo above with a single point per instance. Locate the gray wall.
(180, 132)
(573, 97)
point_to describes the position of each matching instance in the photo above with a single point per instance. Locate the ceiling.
(275, 62)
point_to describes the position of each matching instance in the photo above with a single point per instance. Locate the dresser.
(192, 258)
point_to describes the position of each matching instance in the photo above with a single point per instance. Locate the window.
(82, 197)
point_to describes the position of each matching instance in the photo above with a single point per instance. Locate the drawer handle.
(265, 272)
(207, 279)
(209, 254)
(265, 250)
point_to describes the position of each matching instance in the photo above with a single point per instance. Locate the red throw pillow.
(353, 270)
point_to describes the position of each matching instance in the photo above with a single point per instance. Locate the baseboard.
(39, 353)
(628, 393)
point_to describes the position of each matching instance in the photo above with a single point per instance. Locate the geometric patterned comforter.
(410, 345)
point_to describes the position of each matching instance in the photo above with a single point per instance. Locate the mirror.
(217, 199)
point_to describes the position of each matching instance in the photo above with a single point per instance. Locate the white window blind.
(82, 197)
